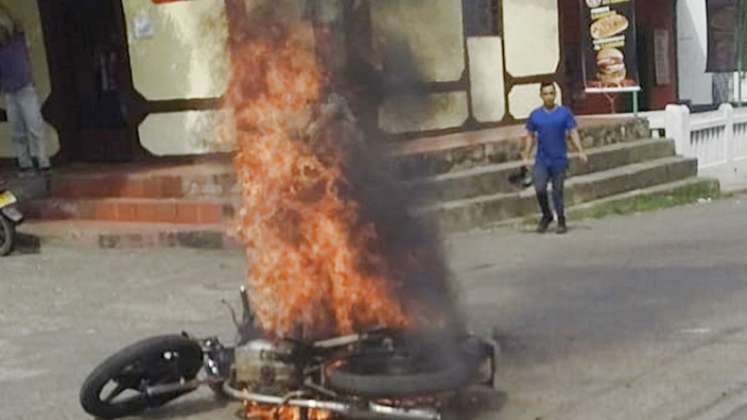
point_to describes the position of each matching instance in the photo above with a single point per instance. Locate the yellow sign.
(7, 198)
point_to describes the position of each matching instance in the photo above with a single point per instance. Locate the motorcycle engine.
(260, 366)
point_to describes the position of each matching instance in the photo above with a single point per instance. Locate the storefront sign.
(610, 62)
(661, 57)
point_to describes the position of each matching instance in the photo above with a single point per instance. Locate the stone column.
(678, 128)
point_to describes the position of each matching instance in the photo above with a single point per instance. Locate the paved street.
(635, 317)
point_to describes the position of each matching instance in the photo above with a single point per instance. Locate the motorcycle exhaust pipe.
(375, 411)
(154, 391)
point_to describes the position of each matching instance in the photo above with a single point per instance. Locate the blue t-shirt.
(551, 129)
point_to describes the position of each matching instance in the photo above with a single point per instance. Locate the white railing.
(714, 138)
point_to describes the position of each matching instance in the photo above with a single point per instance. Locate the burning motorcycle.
(380, 373)
(10, 216)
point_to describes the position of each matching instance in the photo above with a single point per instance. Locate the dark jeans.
(544, 174)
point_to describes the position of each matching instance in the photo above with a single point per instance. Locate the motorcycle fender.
(12, 213)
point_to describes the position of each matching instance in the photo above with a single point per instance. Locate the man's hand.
(526, 154)
(577, 144)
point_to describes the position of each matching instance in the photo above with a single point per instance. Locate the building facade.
(127, 80)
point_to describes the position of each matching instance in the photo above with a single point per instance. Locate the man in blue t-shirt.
(550, 125)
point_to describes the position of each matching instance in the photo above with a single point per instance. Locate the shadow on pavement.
(27, 245)
(475, 403)
(178, 410)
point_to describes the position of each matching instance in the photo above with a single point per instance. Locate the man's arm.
(529, 140)
(576, 138)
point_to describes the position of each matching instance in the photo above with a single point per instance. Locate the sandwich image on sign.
(609, 26)
(611, 66)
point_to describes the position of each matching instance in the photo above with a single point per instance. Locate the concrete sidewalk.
(627, 318)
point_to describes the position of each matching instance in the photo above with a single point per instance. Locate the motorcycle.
(10, 216)
(379, 373)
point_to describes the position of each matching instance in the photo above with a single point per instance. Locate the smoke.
(409, 244)
(337, 131)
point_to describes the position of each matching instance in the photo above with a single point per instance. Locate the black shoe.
(562, 228)
(543, 224)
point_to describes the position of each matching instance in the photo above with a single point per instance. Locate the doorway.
(91, 83)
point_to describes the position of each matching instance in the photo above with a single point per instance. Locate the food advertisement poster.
(609, 46)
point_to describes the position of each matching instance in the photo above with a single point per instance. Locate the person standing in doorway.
(21, 101)
(549, 126)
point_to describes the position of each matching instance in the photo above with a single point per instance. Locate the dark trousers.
(544, 174)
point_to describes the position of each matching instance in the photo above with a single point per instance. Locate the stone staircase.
(460, 179)
(179, 203)
(467, 187)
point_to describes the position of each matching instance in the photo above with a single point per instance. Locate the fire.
(256, 411)
(319, 264)
(314, 266)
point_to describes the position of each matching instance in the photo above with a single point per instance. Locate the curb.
(30, 236)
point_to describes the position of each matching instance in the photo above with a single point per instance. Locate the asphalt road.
(634, 317)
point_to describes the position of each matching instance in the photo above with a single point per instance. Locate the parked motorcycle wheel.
(7, 235)
(393, 375)
(153, 361)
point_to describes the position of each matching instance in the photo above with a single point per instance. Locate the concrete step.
(677, 193)
(217, 181)
(143, 210)
(430, 157)
(493, 179)
(689, 190)
(479, 212)
(117, 235)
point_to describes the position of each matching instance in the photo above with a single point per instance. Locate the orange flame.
(309, 249)
(256, 411)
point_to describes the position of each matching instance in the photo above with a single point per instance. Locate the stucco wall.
(431, 34)
(532, 36)
(183, 133)
(486, 78)
(692, 46)
(523, 99)
(178, 51)
(423, 113)
(28, 12)
(422, 36)
(424, 40)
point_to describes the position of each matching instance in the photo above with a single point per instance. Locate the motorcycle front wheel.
(7, 235)
(116, 388)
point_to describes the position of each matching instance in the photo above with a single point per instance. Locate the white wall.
(692, 45)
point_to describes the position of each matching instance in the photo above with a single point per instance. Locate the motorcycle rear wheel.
(154, 361)
(399, 376)
(7, 235)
